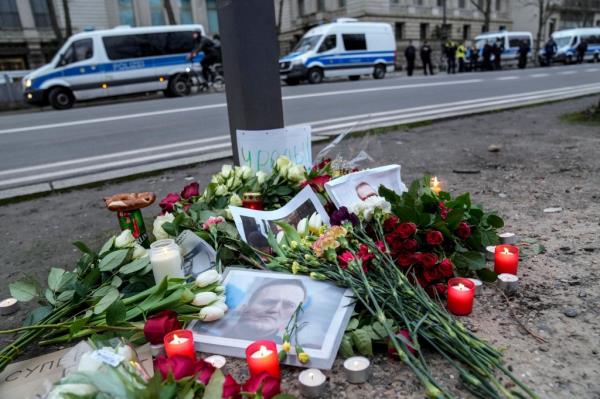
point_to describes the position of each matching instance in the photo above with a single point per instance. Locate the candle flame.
(505, 251)
(461, 287)
(178, 340)
(435, 185)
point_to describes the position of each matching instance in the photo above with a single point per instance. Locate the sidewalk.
(543, 162)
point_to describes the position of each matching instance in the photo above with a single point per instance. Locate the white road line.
(539, 75)
(222, 105)
(507, 78)
(567, 72)
(591, 69)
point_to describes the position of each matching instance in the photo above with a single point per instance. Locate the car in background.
(567, 41)
(510, 43)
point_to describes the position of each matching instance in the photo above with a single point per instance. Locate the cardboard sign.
(33, 378)
(259, 149)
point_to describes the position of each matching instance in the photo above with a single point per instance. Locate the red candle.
(180, 343)
(461, 292)
(262, 356)
(506, 259)
(253, 201)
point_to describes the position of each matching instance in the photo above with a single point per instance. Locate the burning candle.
(461, 292)
(166, 260)
(506, 259)
(180, 343)
(357, 369)
(253, 201)
(312, 383)
(262, 356)
(435, 185)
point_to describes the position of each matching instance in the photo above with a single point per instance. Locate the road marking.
(567, 72)
(223, 105)
(507, 78)
(539, 75)
(591, 69)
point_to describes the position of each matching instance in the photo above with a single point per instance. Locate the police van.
(342, 48)
(567, 41)
(509, 41)
(115, 62)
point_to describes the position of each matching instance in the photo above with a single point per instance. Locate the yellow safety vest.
(460, 51)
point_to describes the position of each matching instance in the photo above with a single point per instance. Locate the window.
(330, 42)
(9, 14)
(185, 12)
(423, 31)
(440, 3)
(498, 5)
(551, 26)
(399, 30)
(301, 10)
(213, 17)
(157, 16)
(418, 2)
(462, 4)
(515, 41)
(354, 41)
(483, 29)
(320, 5)
(466, 33)
(395, 1)
(41, 16)
(126, 14)
(78, 51)
(341, 3)
(148, 45)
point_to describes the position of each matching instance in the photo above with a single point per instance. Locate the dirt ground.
(542, 163)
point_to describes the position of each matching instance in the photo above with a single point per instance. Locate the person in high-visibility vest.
(460, 56)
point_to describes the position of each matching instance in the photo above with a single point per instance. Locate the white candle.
(478, 284)
(178, 340)
(262, 352)
(357, 369)
(508, 282)
(312, 383)
(490, 252)
(508, 238)
(8, 306)
(217, 361)
(165, 258)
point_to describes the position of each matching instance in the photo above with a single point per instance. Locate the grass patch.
(590, 116)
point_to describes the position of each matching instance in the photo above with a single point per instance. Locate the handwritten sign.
(259, 149)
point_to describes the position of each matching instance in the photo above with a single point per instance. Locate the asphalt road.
(56, 149)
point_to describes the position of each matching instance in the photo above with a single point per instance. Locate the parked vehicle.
(342, 48)
(510, 42)
(567, 41)
(114, 62)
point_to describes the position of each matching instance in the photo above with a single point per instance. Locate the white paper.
(259, 149)
(355, 187)
(258, 223)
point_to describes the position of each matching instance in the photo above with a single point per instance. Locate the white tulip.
(235, 200)
(314, 223)
(302, 226)
(226, 171)
(157, 230)
(221, 190)
(207, 278)
(280, 236)
(68, 390)
(125, 239)
(261, 177)
(211, 313)
(204, 298)
(222, 305)
(139, 251)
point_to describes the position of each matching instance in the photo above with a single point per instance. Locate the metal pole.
(250, 54)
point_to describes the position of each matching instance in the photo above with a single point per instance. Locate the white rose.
(204, 298)
(228, 214)
(125, 239)
(235, 200)
(246, 172)
(296, 173)
(282, 162)
(67, 390)
(222, 305)
(139, 251)
(238, 171)
(211, 313)
(302, 226)
(261, 177)
(88, 363)
(221, 189)
(157, 230)
(207, 278)
(226, 171)
(314, 223)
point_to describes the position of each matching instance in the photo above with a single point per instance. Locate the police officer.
(523, 53)
(550, 49)
(581, 50)
(450, 50)
(460, 56)
(410, 53)
(426, 58)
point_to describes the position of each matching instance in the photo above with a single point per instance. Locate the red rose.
(405, 260)
(270, 385)
(345, 258)
(168, 202)
(179, 366)
(434, 237)
(380, 245)
(191, 190)
(410, 245)
(406, 335)
(428, 260)
(323, 163)
(441, 288)
(231, 389)
(317, 183)
(390, 223)
(406, 230)
(431, 275)
(204, 371)
(159, 324)
(443, 210)
(463, 231)
(446, 268)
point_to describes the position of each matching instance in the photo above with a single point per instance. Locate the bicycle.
(216, 81)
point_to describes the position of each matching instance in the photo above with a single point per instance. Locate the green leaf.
(454, 218)
(135, 266)
(346, 349)
(380, 330)
(66, 296)
(540, 249)
(107, 246)
(283, 190)
(107, 300)
(284, 396)
(115, 313)
(54, 278)
(214, 389)
(352, 324)
(113, 260)
(389, 195)
(23, 290)
(488, 237)
(67, 281)
(77, 325)
(49, 294)
(470, 260)
(84, 248)
(116, 281)
(494, 221)
(37, 315)
(362, 342)
(170, 228)
(487, 275)
(102, 291)
(290, 232)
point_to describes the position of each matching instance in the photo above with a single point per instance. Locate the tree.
(484, 7)
(68, 25)
(170, 14)
(280, 12)
(545, 9)
(54, 22)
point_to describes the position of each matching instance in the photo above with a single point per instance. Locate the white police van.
(115, 62)
(509, 41)
(342, 48)
(567, 41)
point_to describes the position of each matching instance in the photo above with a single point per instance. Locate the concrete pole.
(250, 53)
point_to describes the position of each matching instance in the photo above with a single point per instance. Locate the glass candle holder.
(180, 343)
(461, 292)
(253, 201)
(262, 356)
(506, 259)
(166, 260)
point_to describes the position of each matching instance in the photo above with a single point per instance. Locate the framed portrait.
(260, 305)
(198, 255)
(358, 186)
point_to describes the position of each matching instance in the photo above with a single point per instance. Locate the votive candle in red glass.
(253, 201)
(262, 356)
(180, 343)
(506, 259)
(461, 292)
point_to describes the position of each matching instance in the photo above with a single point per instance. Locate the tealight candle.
(8, 306)
(461, 292)
(262, 356)
(357, 369)
(180, 343)
(312, 383)
(508, 283)
(508, 238)
(217, 361)
(435, 185)
(253, 201)
(166, 260)
(490, 252)
(478, 284)
(506, 259)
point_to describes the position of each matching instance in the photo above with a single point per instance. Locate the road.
(48, 150)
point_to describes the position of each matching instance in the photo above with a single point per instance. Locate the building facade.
(412, 20)
(28, 40)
